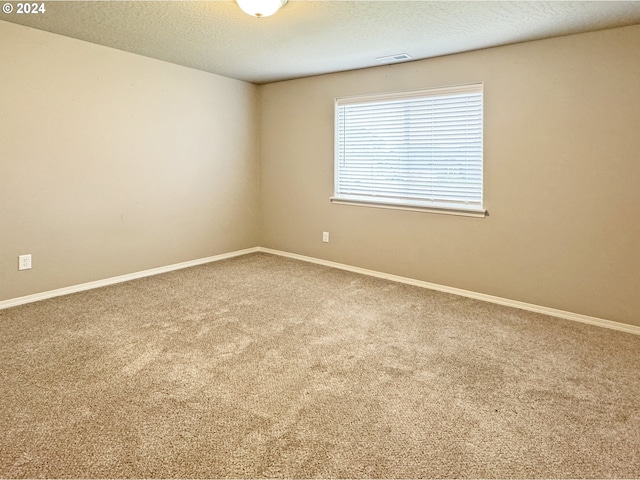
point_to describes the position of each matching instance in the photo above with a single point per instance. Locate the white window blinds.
(416, 149)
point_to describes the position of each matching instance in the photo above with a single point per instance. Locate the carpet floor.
(262, 366)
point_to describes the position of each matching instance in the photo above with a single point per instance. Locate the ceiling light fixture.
(261, 8)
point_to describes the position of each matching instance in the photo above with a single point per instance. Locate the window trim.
(460, 212)
(400, 204)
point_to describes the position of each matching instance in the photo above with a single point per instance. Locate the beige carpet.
(262, 366)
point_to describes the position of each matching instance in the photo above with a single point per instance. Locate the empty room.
(319, 239)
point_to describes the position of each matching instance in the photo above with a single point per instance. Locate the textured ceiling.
(313, 37)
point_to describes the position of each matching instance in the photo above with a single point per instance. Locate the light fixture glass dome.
(261, 8)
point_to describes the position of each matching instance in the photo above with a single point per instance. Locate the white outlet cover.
(24, 262)
(325, 237)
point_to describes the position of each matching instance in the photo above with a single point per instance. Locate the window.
(416, 150)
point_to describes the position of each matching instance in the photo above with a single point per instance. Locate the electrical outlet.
(24, 262)
(325, 237)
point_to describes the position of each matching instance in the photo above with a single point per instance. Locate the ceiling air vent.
(394, 58)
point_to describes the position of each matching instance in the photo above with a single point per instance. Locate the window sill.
(480, 213)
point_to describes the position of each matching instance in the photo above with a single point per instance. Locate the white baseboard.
(121, 278)
(466, 293)
(395, 278)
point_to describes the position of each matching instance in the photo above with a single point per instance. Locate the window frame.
(407, 203)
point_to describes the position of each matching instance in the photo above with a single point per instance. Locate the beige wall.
(112, 163)
(562, 176)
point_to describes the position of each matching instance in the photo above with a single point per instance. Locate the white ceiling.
(314, 37)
